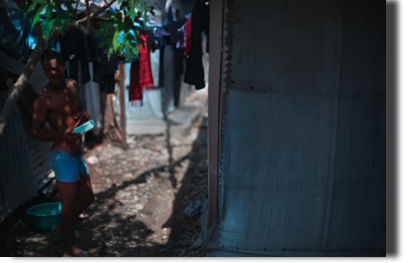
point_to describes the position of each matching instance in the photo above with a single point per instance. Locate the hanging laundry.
(194, 73)
(145, 72)
(187, 34)
(170, 12)
(17, 36)
(78, 47)
(181, 38)
(92, 101)
(73, 47)
(109, 84)
(168, 66)
(156, 19)
(176, 34)
(140, 73)
(104, 70)
(159, 34)
(74, 50)
(155, 65)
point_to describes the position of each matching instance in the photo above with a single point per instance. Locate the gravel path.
(141, 194)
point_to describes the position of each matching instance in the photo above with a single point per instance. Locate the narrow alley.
(210, 128)
(140, 197)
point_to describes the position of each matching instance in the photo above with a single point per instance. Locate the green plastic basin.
(43, 217)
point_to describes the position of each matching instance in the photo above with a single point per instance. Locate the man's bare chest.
(66, 102)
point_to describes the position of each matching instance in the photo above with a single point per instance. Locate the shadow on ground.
(111, 220)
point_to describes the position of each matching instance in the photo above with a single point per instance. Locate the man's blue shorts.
(67, 168)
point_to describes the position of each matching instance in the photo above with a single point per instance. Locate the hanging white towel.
(155, 64)
(92, 101)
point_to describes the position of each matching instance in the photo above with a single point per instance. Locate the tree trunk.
(17, 88)
(123, 127)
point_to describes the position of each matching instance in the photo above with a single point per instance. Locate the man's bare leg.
(84, 199)
(69, 193)
(85, 195)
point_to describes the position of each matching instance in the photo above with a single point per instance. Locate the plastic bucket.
(43, 217)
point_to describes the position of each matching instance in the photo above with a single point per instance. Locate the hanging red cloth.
(140, 73)
(188, 36)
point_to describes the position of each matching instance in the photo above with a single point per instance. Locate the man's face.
(54, 71)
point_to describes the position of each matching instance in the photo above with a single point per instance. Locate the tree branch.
(96, 13)
(17, 88)
(88, 30)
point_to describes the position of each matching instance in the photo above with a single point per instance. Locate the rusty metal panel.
(302, 169)
(16, 181)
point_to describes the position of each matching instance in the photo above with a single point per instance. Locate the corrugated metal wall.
(17, 179)
(302, 171)
(38, 153)
(38, 150)
(24, 167)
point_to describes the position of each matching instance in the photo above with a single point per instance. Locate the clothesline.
(79, 50)
(178, 33)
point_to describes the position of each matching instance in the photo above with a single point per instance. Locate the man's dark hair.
(51, 54)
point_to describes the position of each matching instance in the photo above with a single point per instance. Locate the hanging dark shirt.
(194, 73)
(74, 48)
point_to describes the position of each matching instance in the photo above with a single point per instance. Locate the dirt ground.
(140, 197)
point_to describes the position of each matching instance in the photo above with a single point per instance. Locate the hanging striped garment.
(140, 74)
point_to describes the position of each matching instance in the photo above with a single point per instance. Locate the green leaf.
(32, 7)
(47, 27)
(48, 12)
(110, 52)
(110, 27)
(36, 19)
(131, 13)
(116, 44)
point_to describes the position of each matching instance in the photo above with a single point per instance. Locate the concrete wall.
(302, 169)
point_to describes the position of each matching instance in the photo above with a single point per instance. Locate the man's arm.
(82, 116)
(39, 120)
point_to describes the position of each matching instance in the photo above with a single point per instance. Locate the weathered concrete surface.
(179, 122)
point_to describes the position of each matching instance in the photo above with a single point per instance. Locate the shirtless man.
(59, 103)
